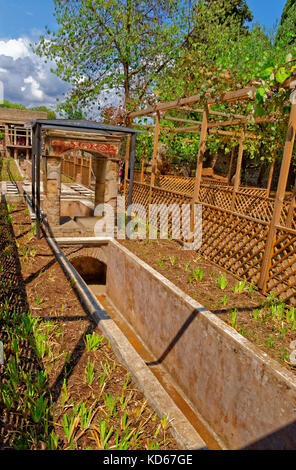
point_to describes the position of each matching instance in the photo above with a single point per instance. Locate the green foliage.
(113, 46)
(93, 342)
(222, 281)
(7, 104)
(286, 29)
(50, 114)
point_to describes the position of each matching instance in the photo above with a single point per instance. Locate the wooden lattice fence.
(235, 241)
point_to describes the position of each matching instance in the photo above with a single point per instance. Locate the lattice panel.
(254, 206)
(140, 194)
(162, 196)
(169, 198)
(179, 184)
(213, 181)
(234, 242)
(215, 196)
(252, 191)
(282, 275)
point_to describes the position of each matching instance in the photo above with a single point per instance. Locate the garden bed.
(61, 386)
(267, 322)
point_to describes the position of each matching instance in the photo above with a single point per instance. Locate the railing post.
(279, 198)
(199, 164)
(154, 155)
(230, 166)
(143, 163)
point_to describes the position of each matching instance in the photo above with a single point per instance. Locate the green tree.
(50, 114)
(8, 104)
(114, 46)
(226, 12)
(286, 32)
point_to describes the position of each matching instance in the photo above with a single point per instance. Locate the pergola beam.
(174, 119)
(238, 122)
(228, 97)
(211, 112)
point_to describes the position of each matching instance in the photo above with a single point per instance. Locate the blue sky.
(266, 11)
(26, 77)
(25, 17)
(28, 17)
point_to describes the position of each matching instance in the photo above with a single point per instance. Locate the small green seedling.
(89, 372)
(234, 318)
(222, 281)
(224, 301)
(187, 267)
(239, 286)
(93, 342)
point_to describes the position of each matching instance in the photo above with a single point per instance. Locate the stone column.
(52, 190)
(111, 186)
(100, 172)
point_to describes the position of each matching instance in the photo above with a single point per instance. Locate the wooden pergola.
(205, 127)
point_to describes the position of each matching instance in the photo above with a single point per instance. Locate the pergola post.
(230, 166)
(270, 175)
(238, 167)
(143, 163)
(132, 159)
(198, 173)
(279, 198)
(154, 155)
(201, 152)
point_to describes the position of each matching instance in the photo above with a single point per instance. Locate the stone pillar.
(100, 172)
(52, 190)
(111, 185)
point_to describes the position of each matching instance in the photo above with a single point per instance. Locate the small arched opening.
(92, 271)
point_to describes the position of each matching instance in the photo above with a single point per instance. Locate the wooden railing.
(236, 241)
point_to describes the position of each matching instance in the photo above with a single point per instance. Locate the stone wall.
(21, 115)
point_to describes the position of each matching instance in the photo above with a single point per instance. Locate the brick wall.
(22, 115)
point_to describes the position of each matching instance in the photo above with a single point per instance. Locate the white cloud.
(15, 48)
(35, 88)
(26, 77)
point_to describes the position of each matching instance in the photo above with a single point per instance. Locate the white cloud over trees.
(27, 78)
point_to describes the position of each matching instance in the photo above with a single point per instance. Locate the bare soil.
(41, 286)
